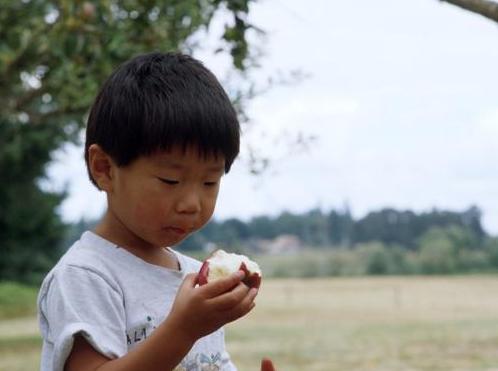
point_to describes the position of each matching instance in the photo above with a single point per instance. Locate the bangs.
(202, 121)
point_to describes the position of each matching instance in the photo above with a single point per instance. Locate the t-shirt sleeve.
(79, 301)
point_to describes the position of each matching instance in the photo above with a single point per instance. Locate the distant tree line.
(338, 228)
(439, 251)
(387, 241)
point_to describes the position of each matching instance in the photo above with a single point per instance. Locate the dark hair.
(160, 100)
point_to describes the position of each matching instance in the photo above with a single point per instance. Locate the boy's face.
(160, 199)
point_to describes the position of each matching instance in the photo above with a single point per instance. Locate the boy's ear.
(101, 167)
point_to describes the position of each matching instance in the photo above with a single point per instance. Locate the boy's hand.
(198, 311)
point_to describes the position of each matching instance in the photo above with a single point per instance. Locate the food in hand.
(222, 264)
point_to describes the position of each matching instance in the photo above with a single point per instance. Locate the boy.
(160, 135)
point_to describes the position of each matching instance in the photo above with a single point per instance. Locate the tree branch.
(486, 8)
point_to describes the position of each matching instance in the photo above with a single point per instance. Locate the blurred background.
(367, 186)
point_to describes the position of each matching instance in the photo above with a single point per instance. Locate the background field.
(388, 323)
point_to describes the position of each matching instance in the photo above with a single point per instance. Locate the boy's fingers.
(190, 280)
(244, 307)
(240, 309)
(249, 299)
(267, 365)
(230, 299)
(221, 286)
(238, 312)
(248, 303)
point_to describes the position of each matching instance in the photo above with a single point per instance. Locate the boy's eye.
(210, 184)
(169, 181)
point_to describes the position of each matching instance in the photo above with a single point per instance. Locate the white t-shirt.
(115, 300)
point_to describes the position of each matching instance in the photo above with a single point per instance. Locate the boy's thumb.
(190, 280)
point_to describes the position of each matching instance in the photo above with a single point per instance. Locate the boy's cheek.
(209, 208)
(142, 212)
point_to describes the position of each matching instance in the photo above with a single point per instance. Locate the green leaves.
(81, 42)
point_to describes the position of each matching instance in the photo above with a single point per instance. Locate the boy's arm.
(154, 355)
(94, 359)
(196, 312)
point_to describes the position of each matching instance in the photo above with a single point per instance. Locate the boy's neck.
(114, 231)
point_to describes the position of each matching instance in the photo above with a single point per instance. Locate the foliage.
(491, 247)
(16, 300)
(406, 227)
(338, 228)
(438, 254)
(30, 231)
(377, 259)
(53, 57)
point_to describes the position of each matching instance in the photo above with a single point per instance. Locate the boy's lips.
(178, 230)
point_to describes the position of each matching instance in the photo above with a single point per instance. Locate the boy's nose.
(190, 203)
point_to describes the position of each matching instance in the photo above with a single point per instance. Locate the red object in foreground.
(251, 279)
(202, 278)
(267, 365)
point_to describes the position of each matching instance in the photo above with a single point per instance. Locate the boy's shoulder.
(89, 254)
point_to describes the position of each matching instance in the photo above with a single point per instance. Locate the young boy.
(160, 135)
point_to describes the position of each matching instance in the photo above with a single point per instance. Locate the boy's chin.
(171, 239)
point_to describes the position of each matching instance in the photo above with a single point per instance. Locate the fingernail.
(241, 274)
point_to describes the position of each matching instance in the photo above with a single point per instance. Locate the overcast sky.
(402, 96)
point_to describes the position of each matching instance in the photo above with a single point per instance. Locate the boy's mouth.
(177, 230)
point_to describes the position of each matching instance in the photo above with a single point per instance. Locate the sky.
(401, 97)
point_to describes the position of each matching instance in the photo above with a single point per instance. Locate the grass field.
(388, 323)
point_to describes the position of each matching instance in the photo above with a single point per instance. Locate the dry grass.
(392, 324)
